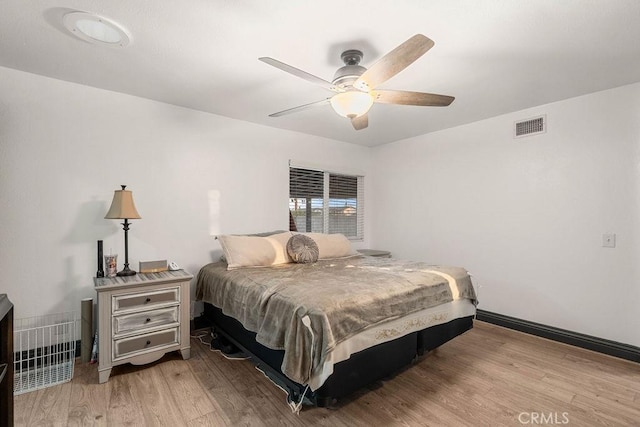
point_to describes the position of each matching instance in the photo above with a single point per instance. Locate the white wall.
(64, 149)
(526, 216)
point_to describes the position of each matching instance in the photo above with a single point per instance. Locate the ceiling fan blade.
(299, 73)
(394, 62)
(411, 98)
(300, 108)
(360, 122)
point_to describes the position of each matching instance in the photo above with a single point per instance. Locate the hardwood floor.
(490, 376)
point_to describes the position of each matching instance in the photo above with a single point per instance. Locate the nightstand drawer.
(129, 346)
(146, 300)
(146, 319)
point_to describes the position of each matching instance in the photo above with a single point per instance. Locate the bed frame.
(361, 369)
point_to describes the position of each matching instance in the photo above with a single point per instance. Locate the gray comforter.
(338, 297)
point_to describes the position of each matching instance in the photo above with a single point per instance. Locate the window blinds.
(326, 202)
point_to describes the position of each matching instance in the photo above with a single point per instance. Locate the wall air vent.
(534, 126)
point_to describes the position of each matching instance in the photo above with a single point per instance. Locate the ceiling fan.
(355, 86)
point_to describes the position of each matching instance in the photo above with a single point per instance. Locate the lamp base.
(126, 272)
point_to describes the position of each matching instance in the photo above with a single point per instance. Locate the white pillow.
(255, 251)
(332, 245)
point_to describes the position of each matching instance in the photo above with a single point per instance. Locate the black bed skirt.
(361, 369)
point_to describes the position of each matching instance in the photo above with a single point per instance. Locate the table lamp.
(122, 207)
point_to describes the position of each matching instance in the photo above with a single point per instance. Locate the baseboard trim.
(612, 348)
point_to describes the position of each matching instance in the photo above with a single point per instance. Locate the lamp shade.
(122, 206)
(352, 103)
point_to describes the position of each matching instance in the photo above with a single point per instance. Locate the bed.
(323, 329)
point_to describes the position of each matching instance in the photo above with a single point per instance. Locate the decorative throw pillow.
(302, 249)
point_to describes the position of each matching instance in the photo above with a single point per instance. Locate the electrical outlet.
(609, 240)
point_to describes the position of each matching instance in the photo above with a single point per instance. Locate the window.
(326, 202)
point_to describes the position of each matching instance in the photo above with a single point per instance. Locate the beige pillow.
(332, 245)
(255, 251)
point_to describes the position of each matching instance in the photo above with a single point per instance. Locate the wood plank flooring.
(490, 376)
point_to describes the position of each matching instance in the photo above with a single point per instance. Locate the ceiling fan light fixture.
(357, 87)
(353, 103)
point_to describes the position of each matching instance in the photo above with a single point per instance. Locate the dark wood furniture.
(6, 361)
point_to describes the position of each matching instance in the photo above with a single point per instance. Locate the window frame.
(326, 200)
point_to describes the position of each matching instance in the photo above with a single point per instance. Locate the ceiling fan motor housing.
(349, 73)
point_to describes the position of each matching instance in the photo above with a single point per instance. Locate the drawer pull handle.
(147, 300)
(148, 320)
(148, 343)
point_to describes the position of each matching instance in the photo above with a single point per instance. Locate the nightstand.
(142, 317)
(375, 253)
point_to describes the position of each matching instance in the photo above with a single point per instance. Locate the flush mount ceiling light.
(93, 28)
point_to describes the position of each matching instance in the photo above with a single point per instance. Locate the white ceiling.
(494, 56)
